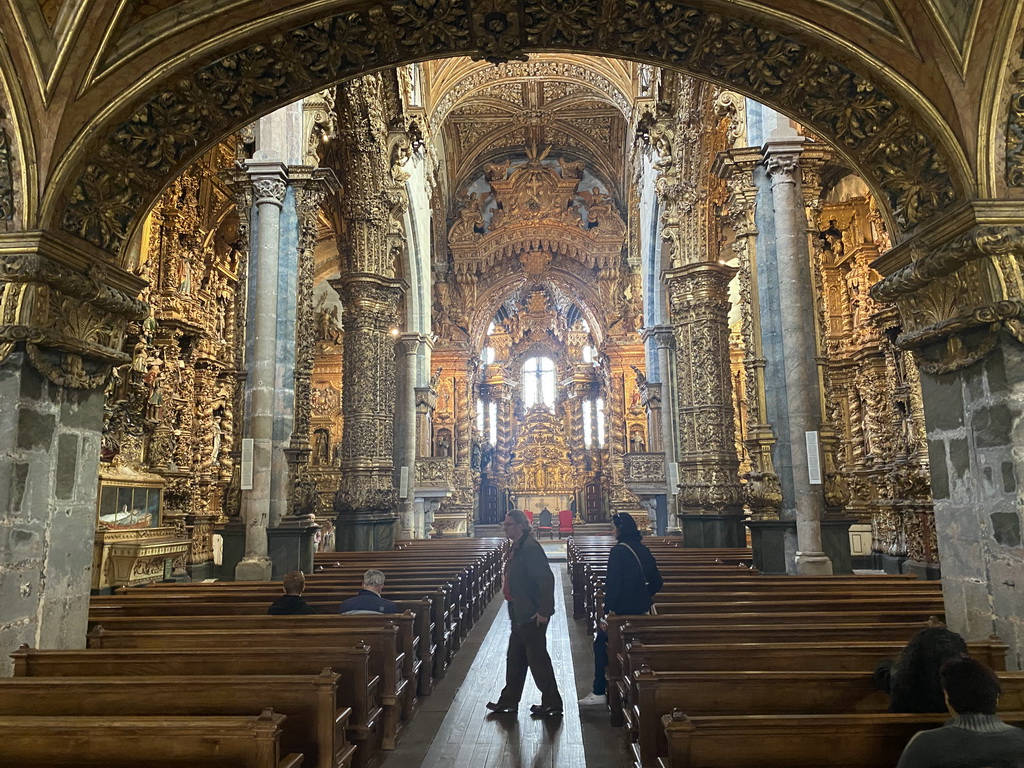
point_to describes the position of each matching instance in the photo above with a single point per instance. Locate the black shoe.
(539, 710)
(501, 708)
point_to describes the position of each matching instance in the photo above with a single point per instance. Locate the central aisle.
(471, 737)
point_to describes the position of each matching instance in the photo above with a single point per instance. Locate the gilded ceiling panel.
(469, 131)
(560, 89)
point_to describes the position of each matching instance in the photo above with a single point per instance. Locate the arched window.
(539, 382)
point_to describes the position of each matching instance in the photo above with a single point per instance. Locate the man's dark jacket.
(290, 605)
(367, 602)
(530, 581)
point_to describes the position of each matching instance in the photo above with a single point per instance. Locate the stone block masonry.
(49, 463)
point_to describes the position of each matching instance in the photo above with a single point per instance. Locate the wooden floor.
(453, 729)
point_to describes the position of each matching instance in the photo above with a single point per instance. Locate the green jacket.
(530, 581)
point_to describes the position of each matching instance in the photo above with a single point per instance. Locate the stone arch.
(888, 133)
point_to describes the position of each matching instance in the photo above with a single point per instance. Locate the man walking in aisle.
(529, 588)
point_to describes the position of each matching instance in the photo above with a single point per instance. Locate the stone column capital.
(269, 181)
(409, 343)
(782, 158)
(664, 335)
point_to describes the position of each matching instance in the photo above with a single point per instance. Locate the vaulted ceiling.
(577, 106)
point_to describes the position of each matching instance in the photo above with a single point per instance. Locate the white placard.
(403, 483)
(813, 458)
(247, 451)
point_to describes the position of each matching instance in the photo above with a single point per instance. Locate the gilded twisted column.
(312, 186)
(708, 465)
(269, 182)
(367, 499)
(797, 336)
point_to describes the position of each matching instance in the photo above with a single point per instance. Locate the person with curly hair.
(912, 681)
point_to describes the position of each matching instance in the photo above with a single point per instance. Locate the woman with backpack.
(631, 580)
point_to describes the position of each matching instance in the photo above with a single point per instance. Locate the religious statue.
(321, 447)
(471, 220)
(598, 205)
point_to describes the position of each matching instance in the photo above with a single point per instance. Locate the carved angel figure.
(598, 205)
(471, 219)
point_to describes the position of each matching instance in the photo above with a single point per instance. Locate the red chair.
(529, 515)
(564, 522)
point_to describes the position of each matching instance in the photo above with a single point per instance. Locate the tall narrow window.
(493, 410)
(480, 417)
(587, 430)
(600, 422)
(539, 382)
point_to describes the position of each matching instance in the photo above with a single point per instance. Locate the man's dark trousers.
(527, 649)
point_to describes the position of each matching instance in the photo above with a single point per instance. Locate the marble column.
(405, 431)
(799, 352)
(269, 181)
(710, 498)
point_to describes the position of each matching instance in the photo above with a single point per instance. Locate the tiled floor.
(452, 728)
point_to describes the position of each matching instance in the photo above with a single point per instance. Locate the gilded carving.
(136, 157)
(931, 294)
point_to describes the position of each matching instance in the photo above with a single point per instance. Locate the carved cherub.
(598, 205)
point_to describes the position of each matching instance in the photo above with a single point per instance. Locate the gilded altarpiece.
(539, 268)
(170, 414)
(873, 394)
(326, 419)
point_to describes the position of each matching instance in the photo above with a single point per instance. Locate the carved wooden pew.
(860, 656)
(761, 693)
(198, 742)
(385, 661)
(441, 620)
(315, 726)
(779, 628)
(407, 642)
(356, 689)
(105, 609)
(794, 741)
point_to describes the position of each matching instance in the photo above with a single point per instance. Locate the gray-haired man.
(369, 600)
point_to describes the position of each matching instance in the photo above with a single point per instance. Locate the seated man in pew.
(975, 737)
(369, 600)
(291, 602)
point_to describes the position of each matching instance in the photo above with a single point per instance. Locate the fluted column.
(708, 466)
(797, 340)
(269, 181)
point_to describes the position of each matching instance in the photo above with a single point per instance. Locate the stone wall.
(976, 448)
(49, 461)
